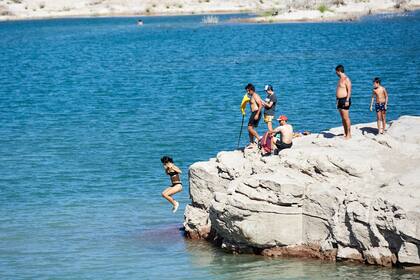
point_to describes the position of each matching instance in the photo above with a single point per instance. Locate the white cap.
(268, 87)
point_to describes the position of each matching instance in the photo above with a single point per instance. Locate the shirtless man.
(256, 106)
(381, 95)
(286, 135)
(343, 95)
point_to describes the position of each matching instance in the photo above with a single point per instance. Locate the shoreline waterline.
(253, 18)
(125, 15)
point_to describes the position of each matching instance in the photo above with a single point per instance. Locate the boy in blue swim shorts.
(381, 95)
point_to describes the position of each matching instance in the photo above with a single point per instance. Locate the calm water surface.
(88, 106)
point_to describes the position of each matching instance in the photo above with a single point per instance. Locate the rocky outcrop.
(355, 200)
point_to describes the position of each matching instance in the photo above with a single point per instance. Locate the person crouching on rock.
(286, 135)
(173, 171)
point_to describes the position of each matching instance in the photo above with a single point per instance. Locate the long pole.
(240, 133)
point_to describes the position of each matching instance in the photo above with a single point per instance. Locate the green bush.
(323, 8)
(268, 13)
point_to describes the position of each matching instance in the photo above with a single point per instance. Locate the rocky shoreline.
(267, 11)
(353, 10)
(326, 198)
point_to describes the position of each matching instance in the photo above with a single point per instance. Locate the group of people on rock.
(285, 130)
(257, 105)
(266, 109)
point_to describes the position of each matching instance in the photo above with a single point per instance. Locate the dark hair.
(250, 87)
(339, 68)
(377, 80)
(166, 159)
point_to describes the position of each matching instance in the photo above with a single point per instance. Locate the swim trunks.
(173, 185)
(341, 103)
(268, 118)
(281, 146)
(252, 122)
(380, 107)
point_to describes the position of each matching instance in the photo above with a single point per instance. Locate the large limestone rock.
(355, 200)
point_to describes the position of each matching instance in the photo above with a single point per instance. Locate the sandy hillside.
(286, 9)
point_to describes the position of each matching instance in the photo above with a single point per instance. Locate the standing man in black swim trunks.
(256, 106)
(343, 95)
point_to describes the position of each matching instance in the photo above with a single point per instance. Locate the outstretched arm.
(371, 101)
(275, 131)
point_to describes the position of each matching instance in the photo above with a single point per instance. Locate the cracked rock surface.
(330, 198)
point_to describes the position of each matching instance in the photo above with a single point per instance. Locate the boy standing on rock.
(286, 134)
(381, 95)
(343, 95)
(269, 106)
(255, 104)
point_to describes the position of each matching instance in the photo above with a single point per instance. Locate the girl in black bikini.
(173, 171)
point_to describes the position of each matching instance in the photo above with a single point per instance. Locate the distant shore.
(123, 15)
(265, 11)
(325, 14)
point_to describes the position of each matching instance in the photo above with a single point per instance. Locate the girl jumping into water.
(173, 171)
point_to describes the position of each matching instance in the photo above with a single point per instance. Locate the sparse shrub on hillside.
(96, 2)
(399, 3)
(269, 13)
(339, 2)
(322, 8)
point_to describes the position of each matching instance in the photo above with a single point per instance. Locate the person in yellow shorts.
(269, 106)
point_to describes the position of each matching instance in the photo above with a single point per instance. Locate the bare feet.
(176, 205)
(251, 145)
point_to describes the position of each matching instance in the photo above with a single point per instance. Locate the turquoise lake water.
(88, 107)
